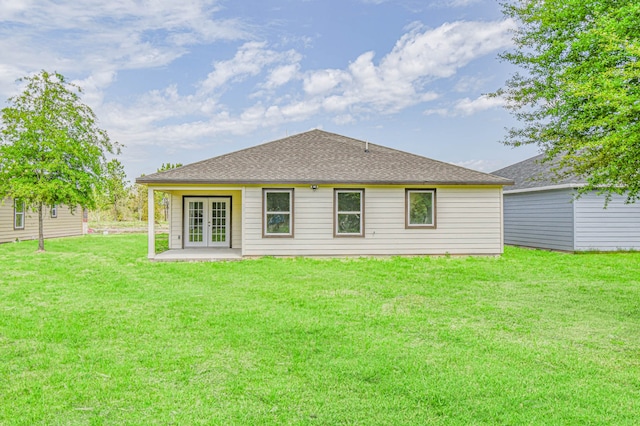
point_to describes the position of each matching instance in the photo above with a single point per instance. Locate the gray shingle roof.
(321, 157)
(533, 173)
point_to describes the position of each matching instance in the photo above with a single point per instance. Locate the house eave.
(544, 188)
(319, 182)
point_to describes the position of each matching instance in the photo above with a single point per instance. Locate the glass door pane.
(219, 222)
(196, 221)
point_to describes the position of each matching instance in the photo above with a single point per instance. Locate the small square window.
(420, 208)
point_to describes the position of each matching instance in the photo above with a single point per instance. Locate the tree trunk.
(40, 229)
(115, 209)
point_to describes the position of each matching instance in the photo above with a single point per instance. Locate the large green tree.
(578, 94)
(51, 149)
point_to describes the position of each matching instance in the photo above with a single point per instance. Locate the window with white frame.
(349, 212)
(277, 207)
(18, 214)
(54, 211)
(420, 208)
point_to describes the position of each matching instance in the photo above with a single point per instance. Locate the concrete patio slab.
(198, 255)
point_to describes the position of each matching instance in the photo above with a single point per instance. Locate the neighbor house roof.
(534, 173)
(320, 157)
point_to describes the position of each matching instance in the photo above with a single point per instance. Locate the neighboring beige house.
(17, 223)
(323, 194)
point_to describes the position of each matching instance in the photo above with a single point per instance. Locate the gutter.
(317, 182)
(545, 188)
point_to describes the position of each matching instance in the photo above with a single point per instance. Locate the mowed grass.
(93, 333)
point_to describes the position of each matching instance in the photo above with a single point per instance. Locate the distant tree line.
(121, 200)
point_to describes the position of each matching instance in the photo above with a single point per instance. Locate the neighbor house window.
(349, 212)
(18, 214)
(54, 211)
(420, 208)
(277, 206)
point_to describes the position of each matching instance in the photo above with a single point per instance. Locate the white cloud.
(282, 75)
(344, 119)
(337, 103)
(440, 52)
(324, 81)
(418, 58)
(187, 17)
(471, 83)
(466, 106)
(250, 60)
(437, 111)
(88, 36)
(94, 85)
(300, 110)
(461, 3)
(8, 76)
(453, 3)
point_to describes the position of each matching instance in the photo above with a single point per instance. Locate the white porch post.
(243, 220)
(151, 215)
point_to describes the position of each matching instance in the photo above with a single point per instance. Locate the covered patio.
(200, 223)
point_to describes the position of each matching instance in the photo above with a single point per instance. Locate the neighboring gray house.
(544, 213)
(322, 194)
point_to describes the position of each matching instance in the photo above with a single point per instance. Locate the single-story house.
(323, 194)
(542, 212)
(18, 223)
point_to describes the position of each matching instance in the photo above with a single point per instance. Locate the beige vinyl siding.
(176, 223)
(469, 221)
(66, 224)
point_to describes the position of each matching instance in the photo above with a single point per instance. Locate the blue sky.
(181, 81)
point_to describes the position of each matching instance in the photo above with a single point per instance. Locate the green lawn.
(93, 333)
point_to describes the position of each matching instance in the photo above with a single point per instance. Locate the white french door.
(206, 222)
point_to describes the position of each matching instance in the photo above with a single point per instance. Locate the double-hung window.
(54, 211)
(420, 208)
(18, 214)
(277, 207)
(348, 207)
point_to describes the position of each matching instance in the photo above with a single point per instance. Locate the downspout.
(243, 219)
(573, 218)
(501, 220)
